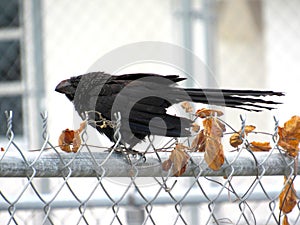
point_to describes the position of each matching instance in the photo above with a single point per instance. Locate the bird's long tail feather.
(243, 99)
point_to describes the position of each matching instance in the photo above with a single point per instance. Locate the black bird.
(143, 99)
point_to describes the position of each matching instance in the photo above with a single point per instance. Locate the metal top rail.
(85, 164)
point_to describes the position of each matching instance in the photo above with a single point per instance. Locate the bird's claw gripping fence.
(42, 187)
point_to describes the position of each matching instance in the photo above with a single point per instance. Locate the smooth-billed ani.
(143, 99)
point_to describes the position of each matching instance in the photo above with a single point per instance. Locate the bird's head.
(68, 87)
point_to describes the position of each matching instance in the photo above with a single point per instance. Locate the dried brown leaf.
(71, 137)
(213, 131)
(214, 154)
(195, 127)
(166, 165)
(68, 136)
(287, 198)
(249, 128)
(179, 159)
(285, 220)
(198, 143)
(236, 139)
(289, 136)
(82, 126)
(213, 127)
(292, 126)
(204, 113)
(76, 141)
(260, 146)
(187, 107)
(65, 140)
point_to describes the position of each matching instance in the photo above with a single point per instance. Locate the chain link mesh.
(119, 188)
(95, 186)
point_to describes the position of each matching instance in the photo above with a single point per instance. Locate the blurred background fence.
(250, 44)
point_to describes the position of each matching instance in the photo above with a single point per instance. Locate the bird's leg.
(122, 149)
(135, 153)
(127, 151)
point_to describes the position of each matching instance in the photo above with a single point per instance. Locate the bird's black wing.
(142, 100)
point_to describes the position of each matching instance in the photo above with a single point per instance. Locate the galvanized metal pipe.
(84, 164)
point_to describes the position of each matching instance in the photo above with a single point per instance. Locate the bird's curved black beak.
(65, 87)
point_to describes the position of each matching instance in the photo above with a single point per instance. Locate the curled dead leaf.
(291, 149)
(249, 129)
(179, 159)
(236, 139)
(195, 127)
(289, 136)
(70, 137)
(260, 146)
(76, 141)
(214, 154)
(166, 165)
(288, 197)
(187, 107)
(285, 220)
(65, 140)
(213, 127)
(82, 126)
(213, 131)
(198, 143)
(204, 113)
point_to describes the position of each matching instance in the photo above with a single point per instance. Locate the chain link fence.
(120, 188)
(246, 43)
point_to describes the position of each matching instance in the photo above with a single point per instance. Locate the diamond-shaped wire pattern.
(10, 62)
(9, 13)
(93, 187)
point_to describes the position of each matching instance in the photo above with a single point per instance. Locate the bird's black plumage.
(143, 99)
